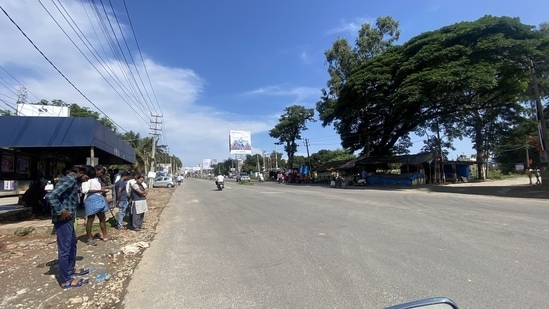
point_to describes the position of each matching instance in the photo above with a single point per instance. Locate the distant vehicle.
(243, 177)
(220, 185)
(163, 182)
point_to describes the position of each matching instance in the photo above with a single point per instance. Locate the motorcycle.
(220, 185)
(429, 303)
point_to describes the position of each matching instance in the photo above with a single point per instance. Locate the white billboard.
(240, 142)
(42, 110)
(165, 168)
(207, 164)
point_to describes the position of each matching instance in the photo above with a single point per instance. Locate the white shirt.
(129, 184)
(219, 178)
(92, 184)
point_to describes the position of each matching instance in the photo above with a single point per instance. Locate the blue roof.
(68, 135)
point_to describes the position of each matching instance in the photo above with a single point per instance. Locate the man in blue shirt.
(64, 201)
(121, 198)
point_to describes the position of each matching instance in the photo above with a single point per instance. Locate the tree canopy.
(289, 128)
(463, 80)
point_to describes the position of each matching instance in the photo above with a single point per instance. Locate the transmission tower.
(21, 99)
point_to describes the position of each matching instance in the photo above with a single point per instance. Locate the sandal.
(81, 272)
(71, 284)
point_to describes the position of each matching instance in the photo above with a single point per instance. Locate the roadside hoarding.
(41, 110)
(240, 142)
(165, 168)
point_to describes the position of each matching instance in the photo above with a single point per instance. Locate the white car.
(243, 177)
(163, 182)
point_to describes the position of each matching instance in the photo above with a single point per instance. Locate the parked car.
(243, 176)
(163, 182)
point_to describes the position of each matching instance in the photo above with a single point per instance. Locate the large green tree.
(324, 156)
(343, 60)
(461, 80)
(517, 147)
(472, 73)
(289, 128)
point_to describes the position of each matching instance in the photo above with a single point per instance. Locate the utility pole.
(542, 125)
(156, 123)
(308, 157)
(276, 159)
(527, 156)
(258, 166)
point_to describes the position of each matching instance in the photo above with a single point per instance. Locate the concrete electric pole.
(156, 127)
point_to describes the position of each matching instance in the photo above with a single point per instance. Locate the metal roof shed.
(78, 137)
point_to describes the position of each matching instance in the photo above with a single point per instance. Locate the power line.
(55, 67)
(9, 105)
(116, 52)
(7, 86)
(90, 49)
(132, 60)
(18, 81)
(141, 55)
(117, 41)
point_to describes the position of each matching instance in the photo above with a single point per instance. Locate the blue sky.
(213, 66)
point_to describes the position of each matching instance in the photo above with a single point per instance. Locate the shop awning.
(66, 135)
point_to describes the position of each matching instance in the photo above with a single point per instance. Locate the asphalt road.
(291, 246)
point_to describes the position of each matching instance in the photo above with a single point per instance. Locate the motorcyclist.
(219, 179)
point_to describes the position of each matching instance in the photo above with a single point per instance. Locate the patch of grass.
(245, 182)
(95, 227)
(498, 175)
(23, 231)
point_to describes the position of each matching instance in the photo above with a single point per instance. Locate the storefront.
(35, 147)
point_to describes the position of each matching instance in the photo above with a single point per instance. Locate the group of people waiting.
(85, 184)
(129, 194)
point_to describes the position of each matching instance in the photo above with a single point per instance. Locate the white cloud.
(302, 95)
(191, 129)
(305, 57)
(351, 27)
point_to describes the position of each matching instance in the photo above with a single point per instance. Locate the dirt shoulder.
(28, 264)
(515, 187)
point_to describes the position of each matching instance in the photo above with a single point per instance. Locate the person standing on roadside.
(121, 198)
(139, 202)
(538, 175)
(64, 201)
(95, 204)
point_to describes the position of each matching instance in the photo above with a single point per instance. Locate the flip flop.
(69, 284)
(81, 272)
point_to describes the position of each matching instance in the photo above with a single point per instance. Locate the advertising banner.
(165, 168)
(207, 164)
(240, 142)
